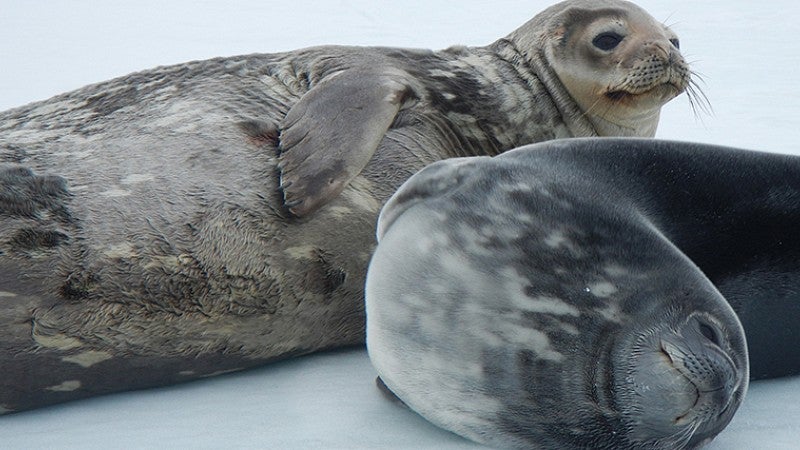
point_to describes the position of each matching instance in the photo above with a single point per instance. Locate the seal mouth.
(689, 417)
(666, 90)
(618, 96)
(685, 418)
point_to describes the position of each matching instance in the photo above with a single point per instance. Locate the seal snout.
(684, 382)
(696, 351)
(712, 376)
(656, 72)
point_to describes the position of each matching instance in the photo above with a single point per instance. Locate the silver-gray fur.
(210, 216)
(537, 300)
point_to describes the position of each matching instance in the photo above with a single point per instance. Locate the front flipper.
(332, 132)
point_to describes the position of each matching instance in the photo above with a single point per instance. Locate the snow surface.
(747, 52)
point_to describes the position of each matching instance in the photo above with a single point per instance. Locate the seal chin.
(681, 385)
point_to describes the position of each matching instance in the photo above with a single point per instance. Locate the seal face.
(614, 60)
(620, 67)
(215, 215)
(544, 298)
(682, 383)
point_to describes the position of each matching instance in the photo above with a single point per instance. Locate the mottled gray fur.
(545, 298)
(144, 237)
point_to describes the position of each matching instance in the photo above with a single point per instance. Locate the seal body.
(584, 293)
(210, 216)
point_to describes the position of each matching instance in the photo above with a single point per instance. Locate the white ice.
(747, 52)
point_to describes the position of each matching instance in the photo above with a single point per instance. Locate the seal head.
(612, 58)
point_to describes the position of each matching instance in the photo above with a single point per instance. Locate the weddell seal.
(210, 216)
(582, 293)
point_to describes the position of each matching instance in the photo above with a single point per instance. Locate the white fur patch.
(87, 358)
(556, 239)
(602, 289)
(56, 341)
(615, 270)
(121, 250)
(515, 285)
(300, 251)
(544, 304)
(136, 178)
(611, 312)
(115, 193)
(67, 386)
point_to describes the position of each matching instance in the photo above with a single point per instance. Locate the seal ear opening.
(432, 181)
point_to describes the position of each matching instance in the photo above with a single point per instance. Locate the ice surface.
(325, 401)
(747, 52)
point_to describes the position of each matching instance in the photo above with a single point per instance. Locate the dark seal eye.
(676, 43)
(607, 41)
(709, 332)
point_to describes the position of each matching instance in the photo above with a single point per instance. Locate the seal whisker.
(680, 439)
(698, 98)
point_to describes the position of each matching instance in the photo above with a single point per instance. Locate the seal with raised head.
(584, 293)
(209, 216)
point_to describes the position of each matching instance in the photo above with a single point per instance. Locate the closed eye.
(709, 333)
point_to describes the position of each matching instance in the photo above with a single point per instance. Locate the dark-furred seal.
(584, 293)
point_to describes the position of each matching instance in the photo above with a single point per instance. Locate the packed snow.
(747, 53)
